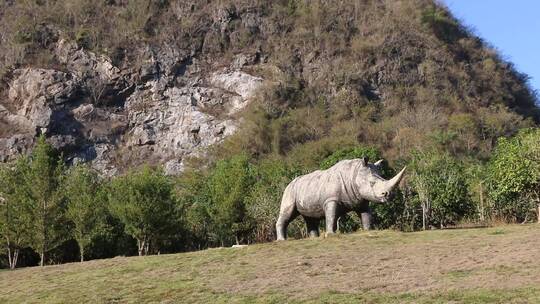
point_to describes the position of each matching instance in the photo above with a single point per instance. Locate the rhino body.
(347, 186)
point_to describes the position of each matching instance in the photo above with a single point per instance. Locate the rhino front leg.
(366, 217)
(330, 213)
(364, 212)
(312, 227)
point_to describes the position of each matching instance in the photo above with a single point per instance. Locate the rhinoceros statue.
(347, 186)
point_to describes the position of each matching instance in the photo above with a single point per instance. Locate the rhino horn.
(391, 184)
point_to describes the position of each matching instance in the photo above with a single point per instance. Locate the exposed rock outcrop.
(173, 122)
(244, 85)
(167, 108)
(102, 81)
(34, 93)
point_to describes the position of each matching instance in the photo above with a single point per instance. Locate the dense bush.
(514, 176)
(440, 183)
(272, 175)
(145, 203)
(228, 186)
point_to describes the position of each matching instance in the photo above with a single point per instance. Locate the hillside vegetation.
(399, 75)
(494, 265)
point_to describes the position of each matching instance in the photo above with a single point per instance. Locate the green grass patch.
(497, 232)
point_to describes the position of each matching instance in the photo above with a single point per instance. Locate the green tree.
(228, 186)
(477, 183)
(85, 206)
(514, 175)
(271, 176)
(193, 199)
(40, 184)
(15, 224)
(441, 185)
(145, 203)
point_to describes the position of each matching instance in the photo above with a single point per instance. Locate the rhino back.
(314, 189)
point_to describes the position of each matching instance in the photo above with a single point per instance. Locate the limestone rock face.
(169, 105)
(35, 92)
(102, 80)
(177, 121)
(244, 85)
(85, 64)
(15, 145)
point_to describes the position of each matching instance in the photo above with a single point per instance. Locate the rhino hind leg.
(312, 227)
(330, 214)
(286, 215)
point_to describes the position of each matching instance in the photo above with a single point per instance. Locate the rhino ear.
(365, 160)
(378, 163)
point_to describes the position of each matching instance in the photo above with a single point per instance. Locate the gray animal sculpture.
(347, 186)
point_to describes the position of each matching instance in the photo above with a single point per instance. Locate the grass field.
(490, 265)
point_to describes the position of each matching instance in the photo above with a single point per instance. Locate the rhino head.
(372, 186)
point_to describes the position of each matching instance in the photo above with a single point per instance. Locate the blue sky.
(511, 26)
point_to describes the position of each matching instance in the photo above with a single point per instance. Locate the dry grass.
(491, 265)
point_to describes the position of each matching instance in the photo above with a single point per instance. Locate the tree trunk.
(146, 247)
(143, 246)
(482, 217)
(43, 232)
(14, 259)
(13, 255)
(10, 260)
(140, 245)
(82, 252)
(537, 194)
(42, 258)
(423, 216)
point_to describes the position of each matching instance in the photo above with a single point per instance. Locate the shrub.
(441, 185)
(228, 186)
(443, 25)
(349, 153)
(144, 202)
(272, 175)
(83, 38)
(514, 176)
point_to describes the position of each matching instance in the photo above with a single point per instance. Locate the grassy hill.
(493, 265)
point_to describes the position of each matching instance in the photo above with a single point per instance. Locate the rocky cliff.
(171, 107)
